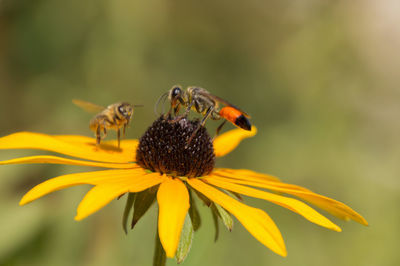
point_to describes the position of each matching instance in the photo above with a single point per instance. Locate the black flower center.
(164, 148)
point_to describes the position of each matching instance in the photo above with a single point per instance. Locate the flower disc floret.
(165, 148)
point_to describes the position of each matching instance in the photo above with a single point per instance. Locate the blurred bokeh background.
(320, 79)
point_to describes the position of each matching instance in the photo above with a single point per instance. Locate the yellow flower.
(158, 161)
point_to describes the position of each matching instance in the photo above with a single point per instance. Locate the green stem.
(160, 258)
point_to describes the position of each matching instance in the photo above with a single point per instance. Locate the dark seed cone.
(164, 148)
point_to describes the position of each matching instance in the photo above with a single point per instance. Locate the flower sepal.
(143, 201)
(185, 243)
(194, 212)
(128, 206)
(222, 214)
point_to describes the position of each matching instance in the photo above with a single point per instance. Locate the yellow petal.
(125, 144)
(102, 194)
(59, 160)
(98, 197)
(332, 206)
(289, 203)
(228, 141)
(244, 173)
(256, 221)
(254, 176)
(75, 146)
(173, 202)
(92, 178)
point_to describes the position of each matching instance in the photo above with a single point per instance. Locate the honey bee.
(114, 116)
(207, 104)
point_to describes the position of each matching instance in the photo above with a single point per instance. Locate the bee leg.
(168, 114)
(219, 129)
(98, 136)
(192, 136)
(185, 114)
(176, 109)
(105, 133)
(118, 137)
(124, 130)
(202, 123)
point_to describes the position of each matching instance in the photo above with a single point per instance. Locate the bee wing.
(225, 102)
(88, 107)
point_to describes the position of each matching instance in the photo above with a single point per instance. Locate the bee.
(114, 116)
(207, 104)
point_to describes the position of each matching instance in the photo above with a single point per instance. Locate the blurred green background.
(320, 79)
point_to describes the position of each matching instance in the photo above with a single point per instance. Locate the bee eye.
(121, 109)
(176, 91)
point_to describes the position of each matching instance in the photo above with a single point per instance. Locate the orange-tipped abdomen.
(236, 117)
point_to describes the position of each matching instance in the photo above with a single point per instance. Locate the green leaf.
(129, 204)
(206, 201)
(235, 194)
(143, 202)
(194, 213)
(160, 258)
(224, 215)
(186, 240)
(216, 224)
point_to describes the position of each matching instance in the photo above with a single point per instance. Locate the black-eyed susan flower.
(161, 165)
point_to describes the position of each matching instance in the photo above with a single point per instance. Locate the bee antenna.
(163, 96)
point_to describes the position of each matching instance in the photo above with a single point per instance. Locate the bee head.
(175, 95)
(126, 110)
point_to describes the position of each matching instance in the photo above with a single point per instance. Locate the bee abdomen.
(243, 122)
(99, 121)
(236, 117)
